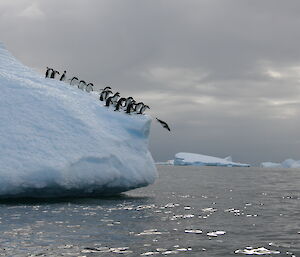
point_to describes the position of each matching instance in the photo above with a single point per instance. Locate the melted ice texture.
(57, 140)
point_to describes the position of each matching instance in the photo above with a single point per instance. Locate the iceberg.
(58, 141)
(205, 160)
(288, 163)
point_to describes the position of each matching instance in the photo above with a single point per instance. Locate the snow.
(57, 140)
(288, 163)
(205, 160)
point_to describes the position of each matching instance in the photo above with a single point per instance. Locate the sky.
(225, 75)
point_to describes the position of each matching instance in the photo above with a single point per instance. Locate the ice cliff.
(205, 160)
(57, 140)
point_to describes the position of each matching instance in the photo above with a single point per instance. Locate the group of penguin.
(129, 105)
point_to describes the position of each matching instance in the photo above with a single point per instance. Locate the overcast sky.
(225, 75)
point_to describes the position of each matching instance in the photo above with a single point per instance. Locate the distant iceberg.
(205, 160)
(57, 140)
(288, 163)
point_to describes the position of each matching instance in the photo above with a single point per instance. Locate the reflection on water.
(190, 211)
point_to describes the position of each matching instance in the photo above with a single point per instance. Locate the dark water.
(190, 211)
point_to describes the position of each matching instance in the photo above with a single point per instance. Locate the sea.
(189, 211)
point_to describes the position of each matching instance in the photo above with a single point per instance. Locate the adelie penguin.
(143, 109)
(81, 84)
(48, 72)
(130, 107)
(164, 124)
(104, 94)
(63, 77)
(89, 87)
(72, 80)
(120, 103)
(138, 106)
(54, 72)
(128, 101)
(106, 88)
(112, 99)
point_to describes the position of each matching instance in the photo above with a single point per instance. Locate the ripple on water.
(164, 251)
(216, 233)
(256, 251)
(148, 232)
(120, 250)
(193, 231)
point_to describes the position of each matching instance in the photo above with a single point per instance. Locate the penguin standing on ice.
(48, 72)
(112, 99)
(81, 84)
(54, 72)
(89, 87)
(130, 107)
(143, 109)
(106, 88)
(138, 106)
(72, 80)
(128, 101)
(104, 94)
(120, 103)
(63, 77)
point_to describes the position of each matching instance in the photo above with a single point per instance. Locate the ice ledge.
(57, 140)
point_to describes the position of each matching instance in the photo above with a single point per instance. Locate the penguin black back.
(119, 103)
(63, 77)
(48, 72)
(72, 80)
(164, 124)
(89, 87)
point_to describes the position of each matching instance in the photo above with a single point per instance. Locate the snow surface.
(205, 160)
(57, 140)
(288, 163)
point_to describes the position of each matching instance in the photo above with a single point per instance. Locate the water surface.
(189, 211)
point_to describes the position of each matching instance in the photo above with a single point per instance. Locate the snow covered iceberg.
(57, 140)
(288, 163)
(205, 160)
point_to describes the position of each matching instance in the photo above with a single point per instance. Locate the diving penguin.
(164, 124)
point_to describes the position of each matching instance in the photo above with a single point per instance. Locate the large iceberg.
(288, 163)
(57, 140)
(205, 160)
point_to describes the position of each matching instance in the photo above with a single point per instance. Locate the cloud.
(32, 12)
(224, 74)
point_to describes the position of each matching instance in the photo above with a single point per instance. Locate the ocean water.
(189, 211)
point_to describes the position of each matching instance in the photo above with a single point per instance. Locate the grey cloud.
(224, 74)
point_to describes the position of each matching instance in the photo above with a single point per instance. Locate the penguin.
(81, 84)
(89, 87)
(128, 100)
(138, 106)
(164, 124)
(74, 78)
(112, 99)
(48, 72)
(143, 109)
(130, 107)
(53, 74)
(63, 77)
(104, 94)
(106, 88)
(120, 103)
